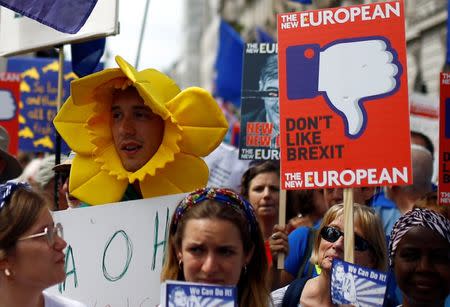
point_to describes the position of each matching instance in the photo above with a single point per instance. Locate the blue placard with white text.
(357, 285)
(180, 294)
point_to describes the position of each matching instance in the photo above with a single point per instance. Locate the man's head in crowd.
(361, 195)
(423, 140)
(422, 172)
(268, 82)
(136, 130)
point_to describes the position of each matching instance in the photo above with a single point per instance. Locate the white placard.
(22, 34)
(225, 168)
(115, 252)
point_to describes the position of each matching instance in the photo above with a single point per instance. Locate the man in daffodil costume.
(136, 135)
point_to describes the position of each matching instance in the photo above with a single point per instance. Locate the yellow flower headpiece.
(194, 126)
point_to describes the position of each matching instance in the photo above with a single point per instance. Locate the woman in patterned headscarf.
(419, 252)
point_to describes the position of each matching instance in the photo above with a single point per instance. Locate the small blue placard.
(357, 285)
(180, 293)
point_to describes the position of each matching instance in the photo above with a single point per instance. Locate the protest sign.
(344, 111)
(115, 252)
(225, 169)
(260, 119)
(357, 285)
(19, 34)
(38, 94)
(180, 293)
(444, 141)
(9, 107)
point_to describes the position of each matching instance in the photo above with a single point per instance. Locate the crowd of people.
(220, 236)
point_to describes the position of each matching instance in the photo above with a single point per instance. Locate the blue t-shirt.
(387, 210)
(298, 245)
(297, 249)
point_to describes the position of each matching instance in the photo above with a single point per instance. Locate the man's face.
(335, 196)
(339, 274)
(271, 103)
(137, 131)
(180, 298)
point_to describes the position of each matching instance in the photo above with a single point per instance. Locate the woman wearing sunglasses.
(31, 250)
(370, 252)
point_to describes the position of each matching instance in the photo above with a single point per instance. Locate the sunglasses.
(332, 234)
(49, 233)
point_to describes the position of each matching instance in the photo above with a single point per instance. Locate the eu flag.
(229, 64)
(263, 37)
(66, 16)
(303, 1)
(86, 56)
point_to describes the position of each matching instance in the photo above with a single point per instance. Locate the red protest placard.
(344, 111)
(9, 107)
(444, 141)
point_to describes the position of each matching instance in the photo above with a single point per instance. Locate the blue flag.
(263, 37)
(229, 64)
(66, 16)
(303, 1)
(86, 56)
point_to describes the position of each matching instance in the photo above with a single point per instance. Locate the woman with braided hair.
(215, 238)
(419, 253)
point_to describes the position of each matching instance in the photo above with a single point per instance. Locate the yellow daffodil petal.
(110, 161)
(127, 69)
(99, 127)
(82, 90)
(162, 88)
(70, 122)
(203, 123)
(186, 173)
(154, 87)
(89, 182)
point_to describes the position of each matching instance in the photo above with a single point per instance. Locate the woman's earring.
(180, 264)
(7, 272)
(245, 269)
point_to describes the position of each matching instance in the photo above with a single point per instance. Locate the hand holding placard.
(346, 72)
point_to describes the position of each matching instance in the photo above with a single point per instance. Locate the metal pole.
(58, 106)
(141, 38)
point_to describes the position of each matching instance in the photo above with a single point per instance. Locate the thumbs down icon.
(346, 73)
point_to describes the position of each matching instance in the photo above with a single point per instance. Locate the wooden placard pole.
(349, 238)
(281, 222)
